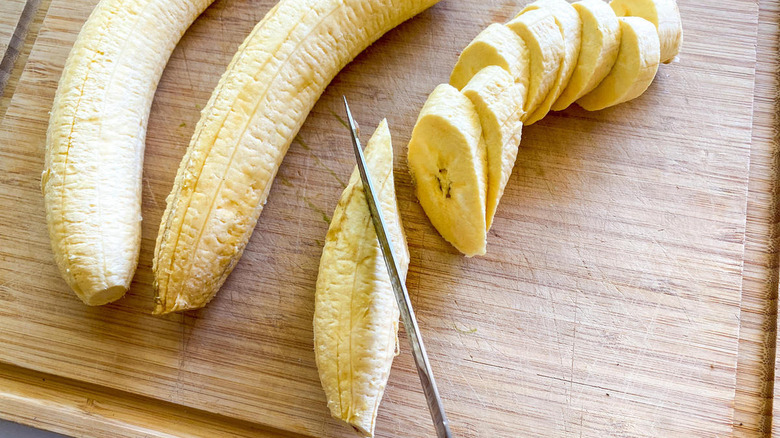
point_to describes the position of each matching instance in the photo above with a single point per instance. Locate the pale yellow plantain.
(496, 45)
(95, 142)
(544, 40)
(598, 51)
(664, 14)
(497, 99)
(355, 313)
(245, 130)
(634, 69)
(448, 163)
(573, 53)
(568, 21)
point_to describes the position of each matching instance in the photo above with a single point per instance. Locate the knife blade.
(432, 397)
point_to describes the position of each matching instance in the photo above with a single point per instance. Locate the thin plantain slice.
(568, 21)
(447, 160)
(634, 70)
(665, 16)
(496, 45)
(496, 98)
(598, 50)
(543, 38)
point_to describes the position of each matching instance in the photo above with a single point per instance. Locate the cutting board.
(12, 11)
(758, 315)
(608, 303)
(12, 27)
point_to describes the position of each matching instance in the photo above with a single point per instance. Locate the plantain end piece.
(355, 312)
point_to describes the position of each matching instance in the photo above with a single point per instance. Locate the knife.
(401, 294)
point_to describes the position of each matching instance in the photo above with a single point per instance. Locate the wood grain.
(14, 59)
(608, 304)
(73, 407)
(10, 12)
(758, 314)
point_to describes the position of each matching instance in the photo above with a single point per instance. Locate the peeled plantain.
(95, 143)
(253, 115)
(355, 313)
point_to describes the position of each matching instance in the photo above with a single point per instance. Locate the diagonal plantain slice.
(355, 314)
(568, 21)
(598, 51)
(447, 160)
(634, 70)
(545, 51)
(664, 15)
(496, 45)
(496, 97)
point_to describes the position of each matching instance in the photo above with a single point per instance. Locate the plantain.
(496, 45)
(583, 52)
(91, 182)
(598, 51)
(546, 50)
(448, 162)
(498, 101)
(253, 115)
(634, 69)
(664, 15)
(570, 26)
(355, 313)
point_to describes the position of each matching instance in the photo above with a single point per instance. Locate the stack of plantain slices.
(549, 56)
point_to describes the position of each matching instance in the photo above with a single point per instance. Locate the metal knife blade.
(401, 294)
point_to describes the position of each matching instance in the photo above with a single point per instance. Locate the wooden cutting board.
(608, 303)
(9, 19)
(758, 314)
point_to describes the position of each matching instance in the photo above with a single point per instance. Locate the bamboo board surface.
(608, 304)
(10, 12)
(28, 17)
(758, 316)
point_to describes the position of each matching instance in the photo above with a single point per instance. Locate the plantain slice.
(447, 160)
(543, 38)
(634, 70)
(496, 45)
(355, 314)
(598, 50)
(568, 21)
(496, 98)
(664, 14)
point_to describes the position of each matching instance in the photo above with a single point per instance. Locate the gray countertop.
(14, 430)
